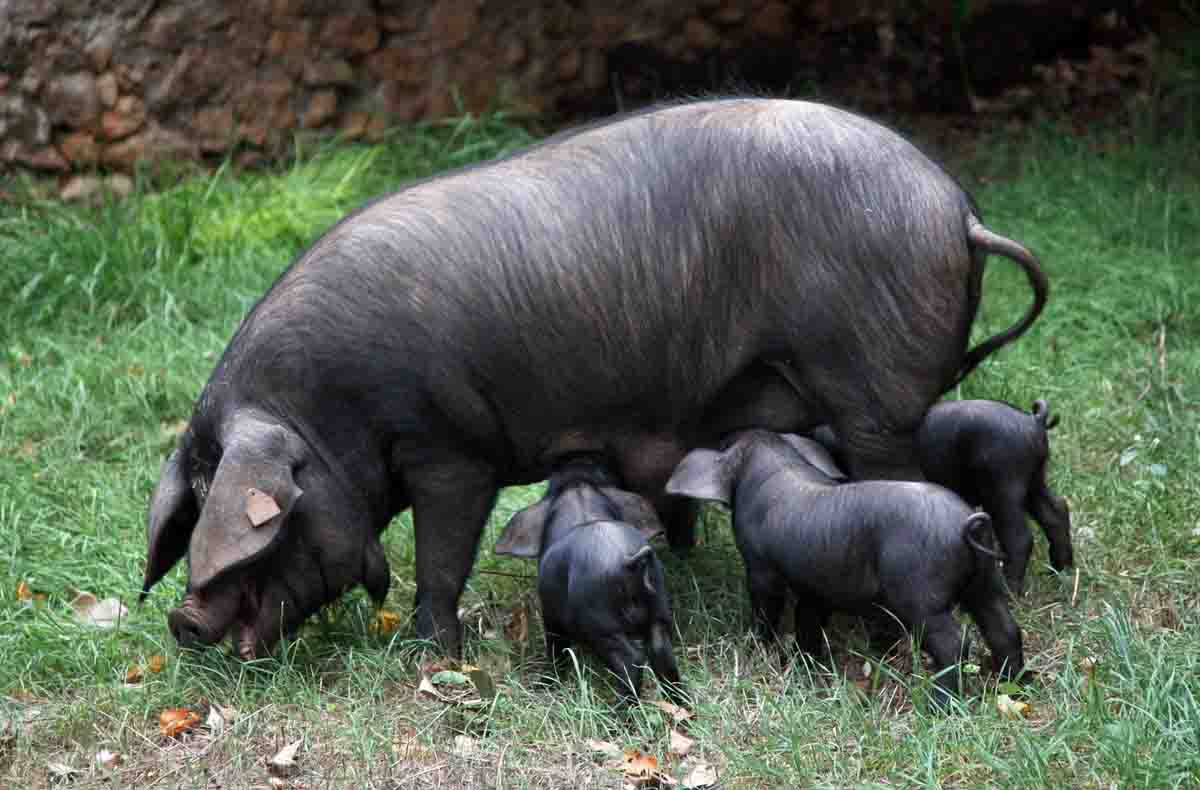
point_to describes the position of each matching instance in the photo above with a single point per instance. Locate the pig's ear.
(639, 563)
(251, 497)
(635, 510)
(703, 474)
(376, 576)
(522, 536)
(170, 521)
(816, 455)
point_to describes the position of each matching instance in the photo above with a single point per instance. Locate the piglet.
(915, 549)
(599, 581)
(994, 455)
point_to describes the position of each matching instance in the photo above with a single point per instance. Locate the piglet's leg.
(556, 646)
(942, 638)
(811, 618)
(768, 595)
(1052, 513)
(1000, 631)
(1007, 509)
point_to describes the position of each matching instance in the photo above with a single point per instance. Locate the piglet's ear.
(703, 474)
(522, 536)
(251, 497)
(816, 455)
(170, 521)
(639, 563)
(635, 510)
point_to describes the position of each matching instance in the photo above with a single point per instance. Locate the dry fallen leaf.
(284, 761)
(385, 622)
(1012, 709)
(260, 507)
(133, 675)
(677, 713)
(156, 663)
(609, 750)
(465, 746)
(102, 614)
(517, 629)
(700, 775)
(639, 766)
(23, 592)
(680, 743)
(108, 760)
(426, 687)
(219, 717)
(173, 722)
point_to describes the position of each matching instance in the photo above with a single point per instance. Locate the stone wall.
(110, 83)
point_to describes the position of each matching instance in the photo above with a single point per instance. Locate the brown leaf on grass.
(156, 663)
(260, 507)
(642, 770)
(24, 593)
(678, 714)
(1012, 709)
(134, 674)
(385, 622)
(102, 614)
(680, 743)
(517, 629)
(700, 775)
(219, 717)
(24, 359)
(174, 722)
(605, 748)
(426, 687)
(108, 760)
(284, 761)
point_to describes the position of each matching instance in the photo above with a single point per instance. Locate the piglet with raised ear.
(600, 583)
(915, 549)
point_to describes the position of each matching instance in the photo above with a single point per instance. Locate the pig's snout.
(190, 629)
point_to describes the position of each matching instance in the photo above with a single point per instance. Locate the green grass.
(112, 317)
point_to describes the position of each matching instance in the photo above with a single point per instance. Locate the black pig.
(994, 455)
(915, 549)
(599, 581)
(618, 289)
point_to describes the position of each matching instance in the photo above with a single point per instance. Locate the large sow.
(634, 288)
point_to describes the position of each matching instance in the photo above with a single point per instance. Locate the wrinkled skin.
(599, 582)
(995, 456)
(915, 549)
(622, 289)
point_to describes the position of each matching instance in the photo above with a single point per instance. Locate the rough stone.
(22, 119)
(700, 35)
(730, 14)
(119, 184)
(43, 158)
(514, 53)
(153, 144)
(774, 20)
(213, 127)
(328, 72)
(80, 148)
(167, 28)
(404, 21)
(124, 119)
(106, 87)
(288, 41)
(322, 106)
(166, 91)
(81, 188)
(357, 33)
(451, 22)
(99, 50)
(569, 65)
(74, 100)
(354, 124)
(402, 103)
(407, 65)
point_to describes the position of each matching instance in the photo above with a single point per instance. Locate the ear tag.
(260, 507)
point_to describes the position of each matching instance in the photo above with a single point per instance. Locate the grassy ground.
(112, 317)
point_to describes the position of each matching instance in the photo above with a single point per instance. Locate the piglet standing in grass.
(599, 581)
(995, 456)
(915, 549)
